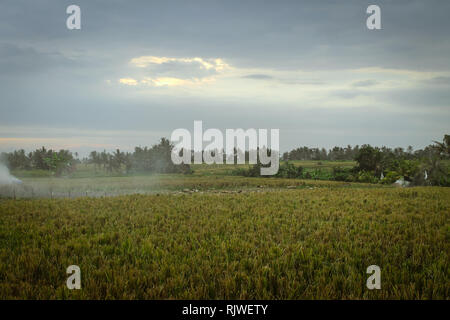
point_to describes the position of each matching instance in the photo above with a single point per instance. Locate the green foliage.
(41, 159)
(17, 159)
(59, 162)
(391, 177)
(443, 148)
(396, 164)
(369, 159)
(367, 177)
(286, 170)
(343, 174)
(438, 173)
(289, 170)
(156, 159)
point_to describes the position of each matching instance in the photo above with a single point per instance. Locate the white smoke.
(6, 177)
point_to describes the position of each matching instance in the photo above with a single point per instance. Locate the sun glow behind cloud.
(174, 82)
(128, 81)
(144, 61)
(174, 72)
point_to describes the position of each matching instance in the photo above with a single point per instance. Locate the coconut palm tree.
(443, 147)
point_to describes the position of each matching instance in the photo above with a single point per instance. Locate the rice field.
(233, 238)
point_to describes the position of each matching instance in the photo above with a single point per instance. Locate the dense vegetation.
(349, 153)
(41, 159)
(374, 165)
(156, 159)
(285, 244)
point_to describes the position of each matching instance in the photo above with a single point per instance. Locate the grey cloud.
(439, 81)
(292, 81)
(348, 94)
(302, 81)
(258, 76)
(426, 99)
(26, 59)
(365, 83)
(285, 34)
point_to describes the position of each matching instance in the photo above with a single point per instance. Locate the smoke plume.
(6, 177)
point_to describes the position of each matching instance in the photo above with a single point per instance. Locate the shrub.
(391, 177)
(342, 174)
(288, 170)
(367, 176)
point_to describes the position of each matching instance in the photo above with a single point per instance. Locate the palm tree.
(443, 147)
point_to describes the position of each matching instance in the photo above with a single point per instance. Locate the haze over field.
(5, 177)
(138, 70)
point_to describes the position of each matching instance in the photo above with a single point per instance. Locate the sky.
(137, 70)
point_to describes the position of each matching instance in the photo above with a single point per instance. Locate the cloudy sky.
(137, 70)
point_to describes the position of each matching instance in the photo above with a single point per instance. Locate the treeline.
(349, 153)
(156, 159)
(374, 165)
(42, 159)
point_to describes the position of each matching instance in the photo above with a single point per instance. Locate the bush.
(391, 177)
(438, 173)
(286, 170)
(367, 176)
(289, 170)
(341, 174)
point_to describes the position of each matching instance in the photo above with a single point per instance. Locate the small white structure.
(425, 175)
(402, 182)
